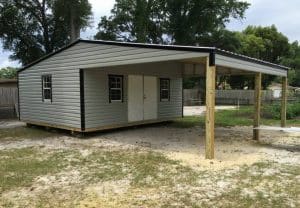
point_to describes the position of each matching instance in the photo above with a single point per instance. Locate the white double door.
(142, 98)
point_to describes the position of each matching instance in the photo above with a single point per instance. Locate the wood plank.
(257, 105)
(136, 123)
(29, 122)
(210, 110)
(283, 101)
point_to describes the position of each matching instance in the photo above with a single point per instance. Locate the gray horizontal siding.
(99, 112)
(64, 68)
(172, 108)
(65, 107)
(248, 66)
(86, 55)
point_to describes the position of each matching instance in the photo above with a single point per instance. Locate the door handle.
(145, 97)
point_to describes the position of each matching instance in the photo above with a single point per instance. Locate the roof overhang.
(248, 66)
(218, 57)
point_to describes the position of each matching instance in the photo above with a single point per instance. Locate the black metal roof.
(211, 50)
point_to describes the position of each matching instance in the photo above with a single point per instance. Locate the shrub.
(273, 111)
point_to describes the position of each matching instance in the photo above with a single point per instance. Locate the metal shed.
(95, 85)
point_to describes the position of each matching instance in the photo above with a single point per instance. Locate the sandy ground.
(200, 110)
(233, 146)
(6, 124)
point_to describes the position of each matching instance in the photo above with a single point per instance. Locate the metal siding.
(64, 67)
(87, 55)
(248, 66)
(99, 112)
(65, 107)
(172, 108)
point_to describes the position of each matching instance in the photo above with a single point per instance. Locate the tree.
(75, 12)
(187, 22)
(31, 29)
(292, 59)
(223, 39)
(275, 44)
(264, 43)
(133, 21)
(8, 73)
(192, 22)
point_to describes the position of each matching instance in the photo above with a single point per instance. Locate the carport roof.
(211, 50)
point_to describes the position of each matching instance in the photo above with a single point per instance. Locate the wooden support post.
(257, 105)
(283, 101)
(210, 111)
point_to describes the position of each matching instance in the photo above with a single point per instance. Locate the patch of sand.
(200, 110)
(233, 146)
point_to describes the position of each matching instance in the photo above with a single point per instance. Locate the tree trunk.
(75, 30)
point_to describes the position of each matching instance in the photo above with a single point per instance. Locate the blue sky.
(283, 13)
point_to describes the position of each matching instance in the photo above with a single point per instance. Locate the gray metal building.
(94, 85)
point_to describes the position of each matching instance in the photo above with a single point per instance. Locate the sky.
(283, 13)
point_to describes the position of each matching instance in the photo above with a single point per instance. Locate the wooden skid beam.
(283, 101)
(210, 111)
(257, 105)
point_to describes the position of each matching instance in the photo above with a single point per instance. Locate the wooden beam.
(283, 101)
(210, 111)
(257, 105)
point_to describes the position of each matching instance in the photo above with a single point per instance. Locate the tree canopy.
(292, 59)
(8, 73)
(31, 29)
(265, 43)
(187, 22)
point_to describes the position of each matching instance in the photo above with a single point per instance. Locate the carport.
(81, 73)
(220, 62)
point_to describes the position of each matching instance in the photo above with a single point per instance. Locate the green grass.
(141, 166)
(268, 190)
(150, 174)
(226, 118)
(24, 132)
(18, 167)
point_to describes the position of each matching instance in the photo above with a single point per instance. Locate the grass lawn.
(19, 167)
(88, 174)
(226, 118)
(139, 179)
(24, 132)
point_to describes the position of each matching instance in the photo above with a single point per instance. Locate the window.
(47, 88)
(164, 89)
(115, 88)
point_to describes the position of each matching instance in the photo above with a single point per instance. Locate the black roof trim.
(250, 59)
(153, 46)
(211, 50)
(48, 55)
